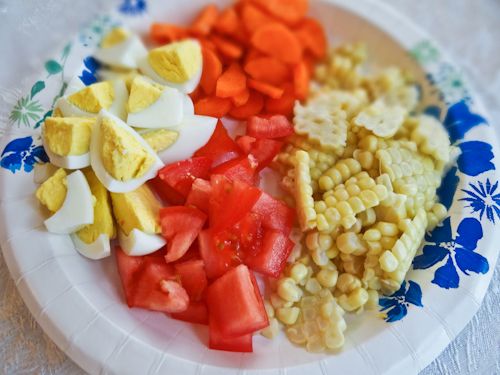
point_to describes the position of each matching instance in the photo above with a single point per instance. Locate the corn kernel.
(372, 235)
(387, 229)
(313, 286)
(298, 272)
(296, 335)
(347, 282)
(269, 309)
(319, 257)
(388, 261)
(350, 242)
(272, 330)
(327, 278)
(288, 291)
(288, 315)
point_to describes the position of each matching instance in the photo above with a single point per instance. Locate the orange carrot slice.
(212, 69)
(265, 88)
(278, 41)
(213, 106)
(197, 94)
(283, 105)
(253, 18)
(228, 22)
(232, 82)
(252, 107)
(301, 80)
(312, 37)
(227, 48)
(289, 11)
(267, 69)
(241, 98)
(165, 33)
(203, 24)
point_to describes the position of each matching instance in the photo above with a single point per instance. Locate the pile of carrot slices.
(258, 56)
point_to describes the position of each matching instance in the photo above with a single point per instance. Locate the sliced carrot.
(226, 47)
(241, 98)
(251, 54)
(265, 88)
(278, 41)
(267, 69)
(253, 18)
(289, 11)
(301, 80)
(232, 82)
(165, 33)
(207, 44)
(212, 69)
(312, 37)
(197, 94)
(310, 62)
(228, 22)
(203, 24)
(252, 107)
(283, 105)
(213, 106)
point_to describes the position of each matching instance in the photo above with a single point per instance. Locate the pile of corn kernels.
(363, 168)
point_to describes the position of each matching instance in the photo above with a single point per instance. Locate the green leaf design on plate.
(36, 88)
(53, 67)
(25, 111)
(65, 51)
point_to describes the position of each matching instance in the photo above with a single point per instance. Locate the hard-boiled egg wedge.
(66, 141)
(120, 157)
(194, 132)
(139, 243)
(177, 65)
(112, 75)
(137, 215)
(159, 139)
(120, 48)
(92, 241)
(87, 102)
(151, 105)
(77, 209)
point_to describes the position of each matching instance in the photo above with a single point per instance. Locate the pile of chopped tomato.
(219, 227)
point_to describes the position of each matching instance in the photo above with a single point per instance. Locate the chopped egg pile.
(363, 168)
(107, 139)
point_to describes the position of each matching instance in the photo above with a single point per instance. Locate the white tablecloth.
(31, 31)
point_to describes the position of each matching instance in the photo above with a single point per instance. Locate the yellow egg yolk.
(123, 156)
(52, 192)
(93, 98)
(160, 139)
(57, 113)
(103, 216)
(143, 93)
(176, 62)
(137, 209)
(114, 37)
(68, 135)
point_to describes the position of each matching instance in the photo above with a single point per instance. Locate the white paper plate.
(79, 303)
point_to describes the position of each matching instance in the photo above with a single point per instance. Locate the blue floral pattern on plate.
(396, 305)
(21, 153)
(483, 198)
(133, 7)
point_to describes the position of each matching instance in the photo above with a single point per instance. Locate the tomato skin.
(275, 214)
(199, 195)
(246, 314)
(218, 341)
(274, 126)
(165, 192)
(249, 231)
(245, 142)
(217, 256)
(263, 150)
(193, 277)
(180, 226)
(242, 169)
(220, 147)
(196, 312)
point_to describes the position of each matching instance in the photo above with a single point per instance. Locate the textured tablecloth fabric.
(31, 31)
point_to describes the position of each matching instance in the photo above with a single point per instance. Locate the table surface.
(29, 34)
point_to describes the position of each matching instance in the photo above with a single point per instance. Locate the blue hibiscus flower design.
(133, 7)
(455, 252)
(22, 153)
(396, 305)
(459, 120)
(475, 158)
(483, 198)
(88, 75)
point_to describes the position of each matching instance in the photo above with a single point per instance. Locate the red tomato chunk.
(218, 341)
(220, 147)
(196, 312)
(199, 195)
(192, 277)
(276, 126)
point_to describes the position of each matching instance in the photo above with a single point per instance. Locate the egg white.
(69, 161)
(118, 107)
(187, 106)
(186, 87)
(123, 55)
(139, 243)
(106, 179)
(166, 112)
(98, 249)
(77, 209)
(194, 132)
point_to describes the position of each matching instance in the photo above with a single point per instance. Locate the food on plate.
(142, 161)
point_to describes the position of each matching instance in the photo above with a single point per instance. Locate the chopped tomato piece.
(218, 253)
(199, 195)
(128, 268)
(179, 176)
(245, 314)
(249, 231)
(218, 341)
(275, 126)
(275, 214)
(180, 225)
(220, 147)
(263, 150)
(245, 142)
(274, 252)
(230, 202)
(192, 277)
(165, 192)
(196, 312)
(242, 169)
